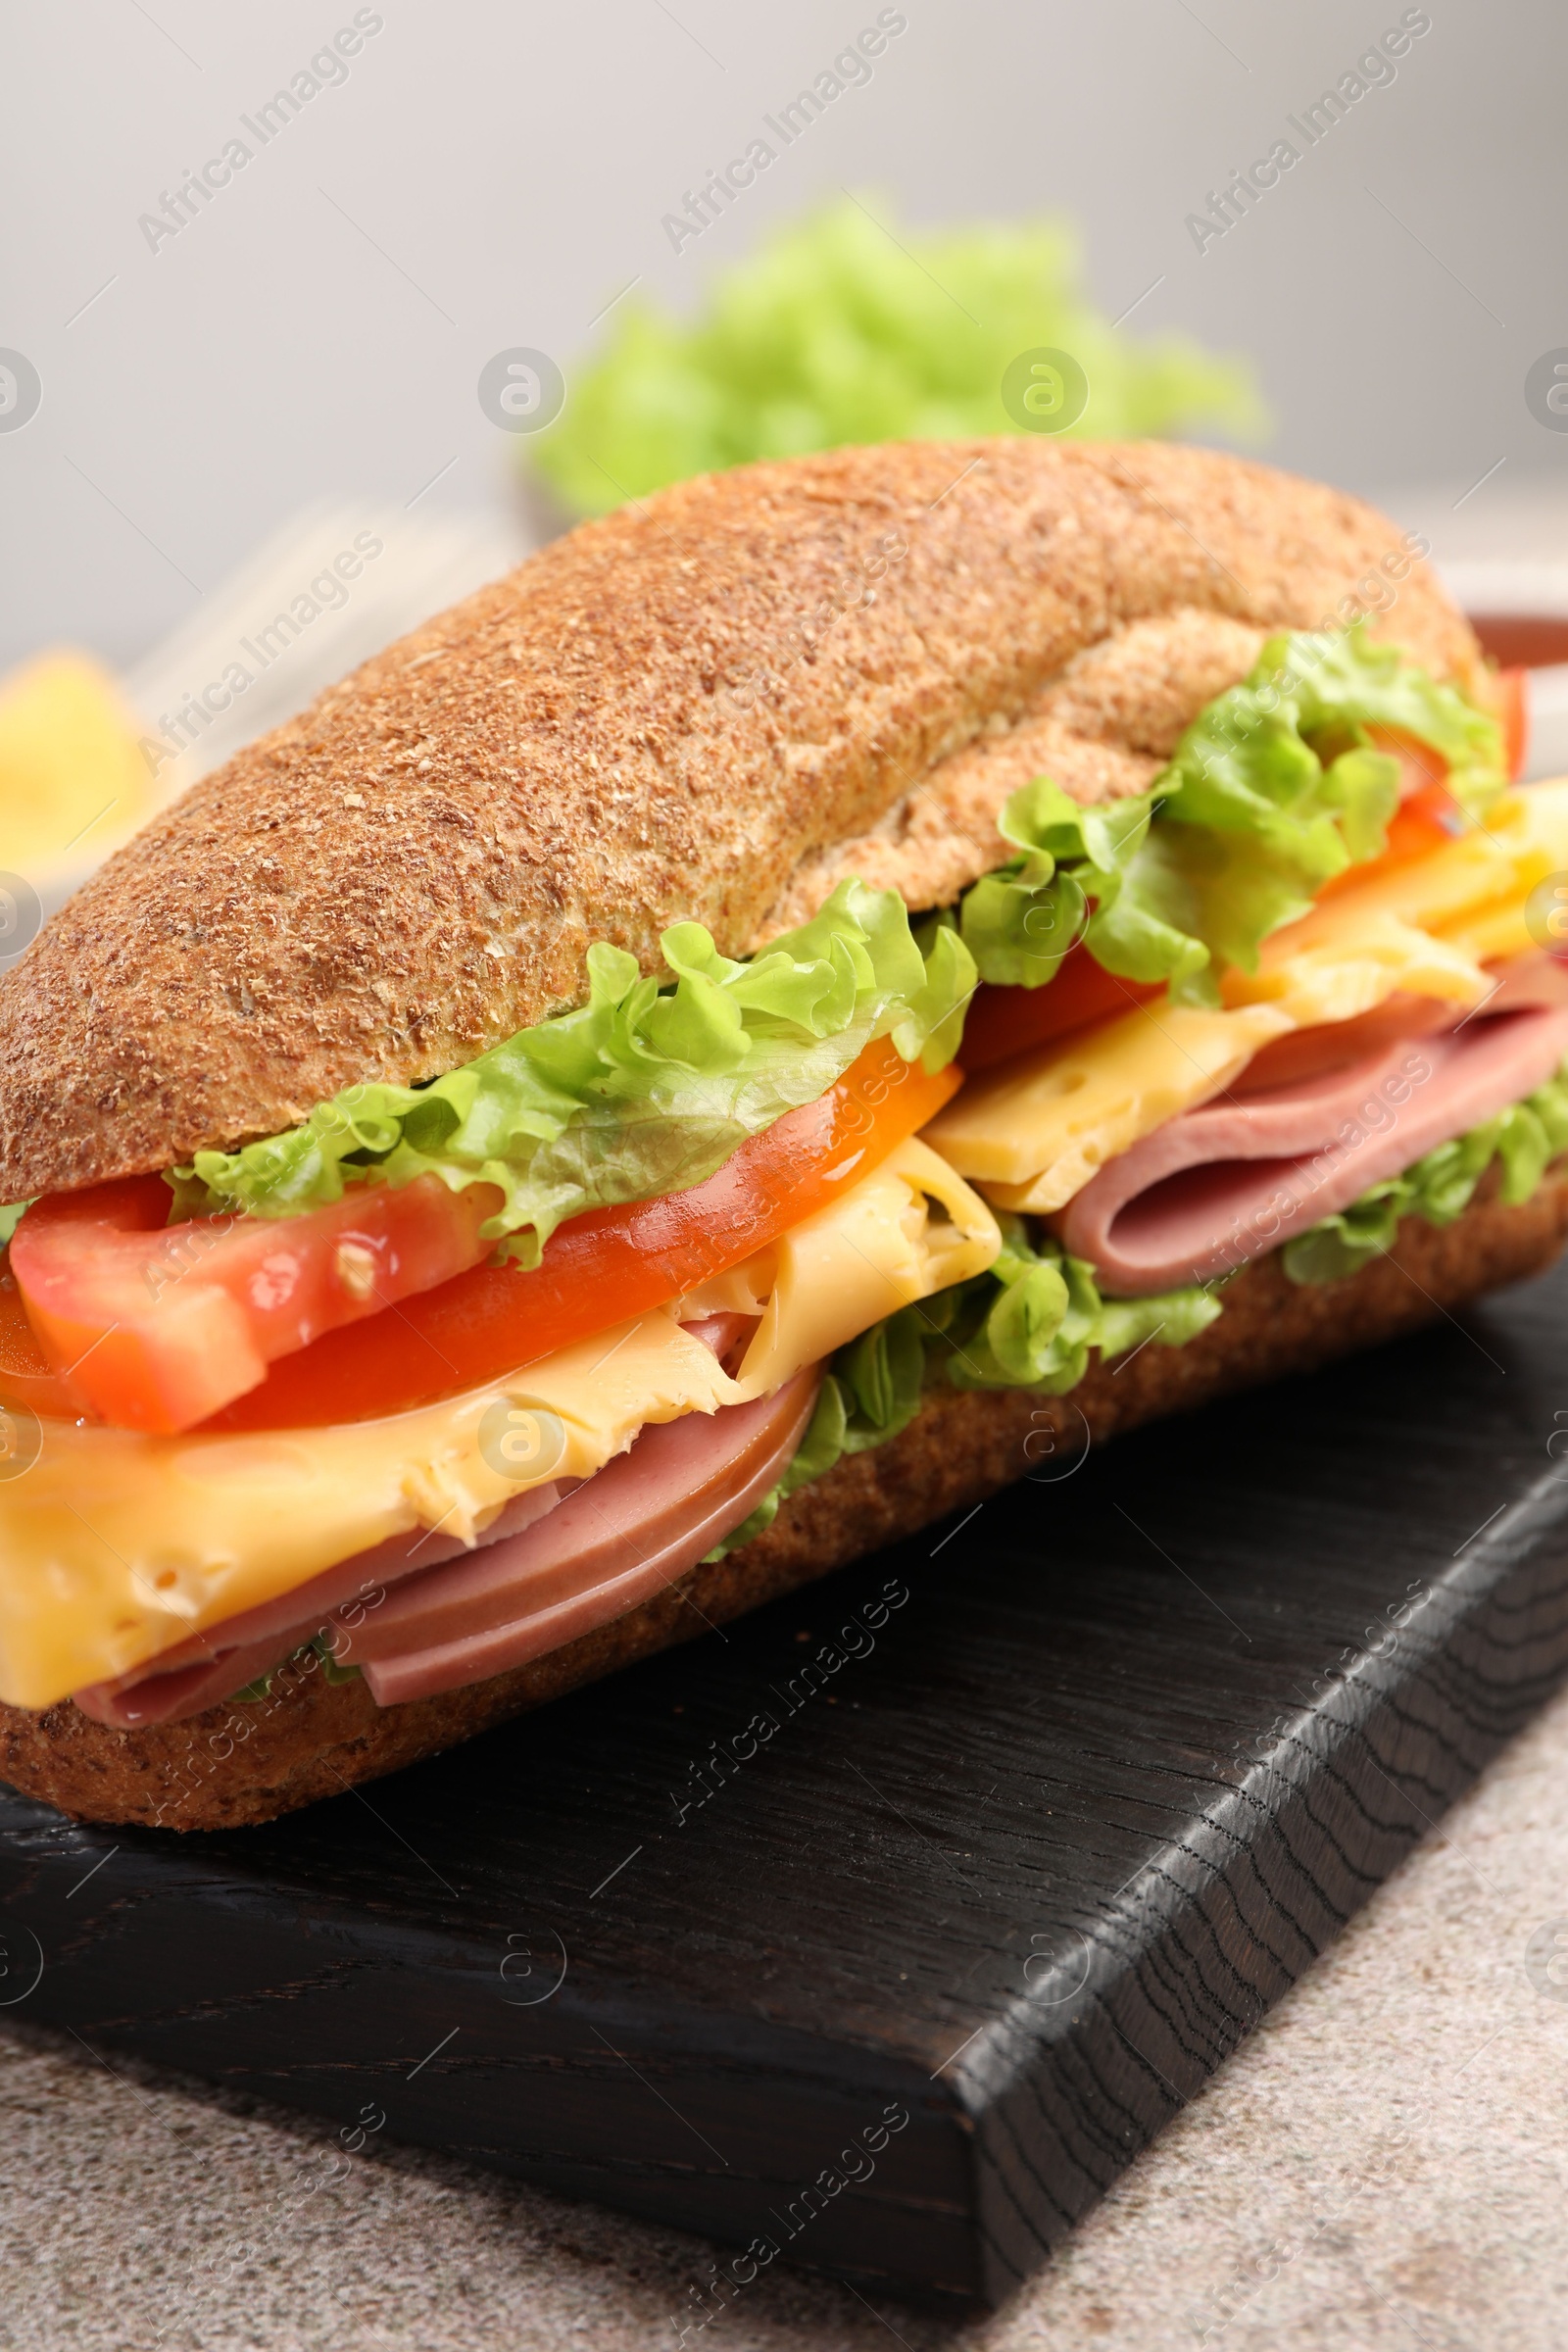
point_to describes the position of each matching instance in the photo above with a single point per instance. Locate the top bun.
(709, 705)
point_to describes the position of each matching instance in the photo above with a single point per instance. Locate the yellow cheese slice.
(115, 1545)
(1524, 839)
(1035, 1131)
(1533, 827)
(836, 1274)
(1336, 978)
(1494, 934)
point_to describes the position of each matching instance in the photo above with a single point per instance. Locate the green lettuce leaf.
(1030, 1321)
(1033, 1319)
(1020, 922)
(646, 1088)
(1525, 1138)
(839, 331)
(1273, 790)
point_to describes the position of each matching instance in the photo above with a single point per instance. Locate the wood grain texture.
(310, 1739)
(676, 712)
(1056, 1801)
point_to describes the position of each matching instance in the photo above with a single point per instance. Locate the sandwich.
(825, 992)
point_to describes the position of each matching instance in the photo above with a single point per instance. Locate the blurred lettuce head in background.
(837, 331)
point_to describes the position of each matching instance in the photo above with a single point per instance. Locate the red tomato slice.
(1003, 1021)
(1419, 825)
(26, 1376)
(600, 1268)
(1513, 713)
(155, 1325)
(379, 1302)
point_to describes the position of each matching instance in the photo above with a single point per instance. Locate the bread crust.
(684, 710)
(232, 1765)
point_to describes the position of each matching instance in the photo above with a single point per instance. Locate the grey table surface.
(1385, 2162)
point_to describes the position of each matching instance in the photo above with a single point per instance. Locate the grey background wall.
(492, 171)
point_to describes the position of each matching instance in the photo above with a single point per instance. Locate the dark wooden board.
(1135, 1744)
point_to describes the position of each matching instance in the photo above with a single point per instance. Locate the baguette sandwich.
(820, 994)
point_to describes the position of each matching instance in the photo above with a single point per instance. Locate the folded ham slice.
(1236, 1177)
(212, 1665)
(432, 1611)
(207, 1667)
(619, 1539)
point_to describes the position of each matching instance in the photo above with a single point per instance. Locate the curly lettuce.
(1272, 791)
(840, 330)
(1525, 1138)
(1035, 1317)
(646, 1088)
(872, 1389)
(1019, 921)
(1030, 1321)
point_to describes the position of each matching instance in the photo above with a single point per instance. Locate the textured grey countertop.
(1385, 2162)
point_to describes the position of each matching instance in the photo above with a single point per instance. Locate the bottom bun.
(310, 1739)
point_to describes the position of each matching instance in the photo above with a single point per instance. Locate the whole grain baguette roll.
(710, 704)
(310, 1739)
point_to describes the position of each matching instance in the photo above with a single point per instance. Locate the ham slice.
(1336, 1045)
(142, 1698)
(1223, 1183)
(1525, 980)
(207, 1667)
(619, 1539)
(660, 1501)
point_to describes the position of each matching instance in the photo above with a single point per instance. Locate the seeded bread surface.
(712, 703)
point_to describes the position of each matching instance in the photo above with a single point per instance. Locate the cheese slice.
(836, 1274)
(1466, 882)
(1337, 977)
(115, 1545)
(1034, 1132)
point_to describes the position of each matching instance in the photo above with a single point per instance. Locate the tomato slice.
(1003, 1021)
(1419, 825)
(1513, 712)
(26, 1376)
(380, 1302)
(155, 1325)
(600, 1268)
